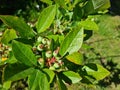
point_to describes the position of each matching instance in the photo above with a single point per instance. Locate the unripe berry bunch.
(47, 57)
(4, 52)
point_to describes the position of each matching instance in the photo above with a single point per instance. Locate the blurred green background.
(104, 45)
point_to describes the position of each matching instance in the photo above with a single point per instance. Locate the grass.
(106, 41)
(105, 50)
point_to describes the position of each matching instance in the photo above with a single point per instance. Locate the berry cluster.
(47, 57)
(4, 51)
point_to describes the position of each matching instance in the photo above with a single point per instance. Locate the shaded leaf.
(46, 18)
(88, 80)
(38, 81)
(74, 77)
(61, 84)
(76, 58)
(88, 34)
(23, 53)
(17, 71)
(72, 42)
(18, 25)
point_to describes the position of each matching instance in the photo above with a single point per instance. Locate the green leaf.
(8, 35)
(74, 77)
(96, 71)
(50, 75)
(101, 4)
(72, 42)
(17, 71)
(61, 84)
(61, 3)
(89, 25)
(93, 6)
(38, 81)
(46, 18)
(77, 16)
(23, 53)
(7, 85)
(76, 58)
(18, 25)
(88, 80)
(49, 2)
(56, 37)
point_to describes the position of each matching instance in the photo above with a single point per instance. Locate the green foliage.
(38, 80)
(76, 58)
(89, 25)
(24, 30)
(74, 77)
(17, 71)
(25, 55)
(46, 18)
(96, 71)
(9, 32)
(50, 75)
(70, 43)
(42, 52)
(94, 5)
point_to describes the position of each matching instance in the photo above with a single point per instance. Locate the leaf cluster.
(49, 52)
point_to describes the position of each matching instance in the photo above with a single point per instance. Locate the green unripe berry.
(9, 49)
(48, 54)
(39, 39)
(60, 61)
(40, 47)
(40, 60)
(48, 42)
(55, 53)
(44, 41)
(56, 65)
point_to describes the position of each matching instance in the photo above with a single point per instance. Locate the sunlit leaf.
(89, 25)
(74, 77)
(72, 42)
(50, 74)
(8, 35)
(7, 85)
(76, 58)
(96, 71)
(46, 18)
